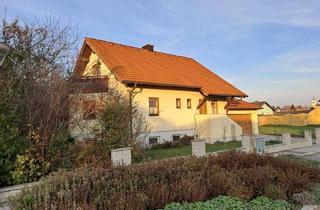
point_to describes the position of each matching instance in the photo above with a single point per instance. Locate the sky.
(269, 49)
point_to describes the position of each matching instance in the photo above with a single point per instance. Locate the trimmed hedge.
(155, 184)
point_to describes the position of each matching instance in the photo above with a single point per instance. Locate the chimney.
(148, 47)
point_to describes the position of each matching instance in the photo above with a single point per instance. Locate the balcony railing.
(89, 85)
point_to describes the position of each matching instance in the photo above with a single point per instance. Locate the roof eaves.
(161, 84)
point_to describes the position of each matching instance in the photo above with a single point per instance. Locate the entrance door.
(244, 121)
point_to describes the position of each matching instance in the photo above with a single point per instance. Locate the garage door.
(244, 121)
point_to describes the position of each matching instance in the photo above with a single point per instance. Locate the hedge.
(155, 184)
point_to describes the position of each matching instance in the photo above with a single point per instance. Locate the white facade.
(266, 110)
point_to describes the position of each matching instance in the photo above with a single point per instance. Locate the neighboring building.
(292, 109)
(315, 103)
(172, 92)
(266, 108)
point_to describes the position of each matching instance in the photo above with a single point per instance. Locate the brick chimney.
(148, 47)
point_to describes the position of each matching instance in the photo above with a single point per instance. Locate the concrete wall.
(302, 119)
(7, 192)
(218, 128)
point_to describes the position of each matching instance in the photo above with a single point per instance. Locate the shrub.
(316, 194)
(155, 184)
(119, 121)
(29, 168)
(90, 154)
(226, 202)
(185, 140)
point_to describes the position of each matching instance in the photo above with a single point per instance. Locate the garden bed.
(153, 185)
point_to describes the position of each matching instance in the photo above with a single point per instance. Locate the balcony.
(89, 85)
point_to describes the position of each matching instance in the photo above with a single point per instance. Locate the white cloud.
(301, 60)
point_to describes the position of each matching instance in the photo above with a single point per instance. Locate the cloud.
(234, 20)
(304, 60)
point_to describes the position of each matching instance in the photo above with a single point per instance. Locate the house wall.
(266, 110)
(113, 83)
(171, 121)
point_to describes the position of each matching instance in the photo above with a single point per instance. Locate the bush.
(155, 184)
(316, 194)
(185, 140)
(226, 202)
(29, 168)
(90, 154)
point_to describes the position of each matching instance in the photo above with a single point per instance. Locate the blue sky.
(269, 49)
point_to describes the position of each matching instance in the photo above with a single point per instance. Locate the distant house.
(171, 91)
(315, 103)
(266, 108)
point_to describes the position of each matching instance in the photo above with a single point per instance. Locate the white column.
(308, 135)
(317, 130)
(198, 148)
(286, 138)
(248, 143)
(121, 156)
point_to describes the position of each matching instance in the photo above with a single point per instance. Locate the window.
(154, 140)
(153, 106)
(214, 107)
(178, 103)
(189, 103)
(176, 137)
(89, 110)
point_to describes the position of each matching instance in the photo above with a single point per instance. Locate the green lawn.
(279, 129)
(162, 153)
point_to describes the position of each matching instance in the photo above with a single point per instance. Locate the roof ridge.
(139, 48)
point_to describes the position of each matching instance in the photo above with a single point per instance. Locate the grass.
(162, 153)
(279, 129)
(302, 160)
(272, 142)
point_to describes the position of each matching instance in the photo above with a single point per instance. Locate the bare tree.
(40, 62)
(197, 128)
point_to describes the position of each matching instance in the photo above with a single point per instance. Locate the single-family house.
(173, 92)
(266, 108)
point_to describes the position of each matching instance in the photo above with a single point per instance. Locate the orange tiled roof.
(242, 105)
(137, 65)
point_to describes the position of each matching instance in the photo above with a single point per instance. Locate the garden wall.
(302, 119)
(218, 128)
